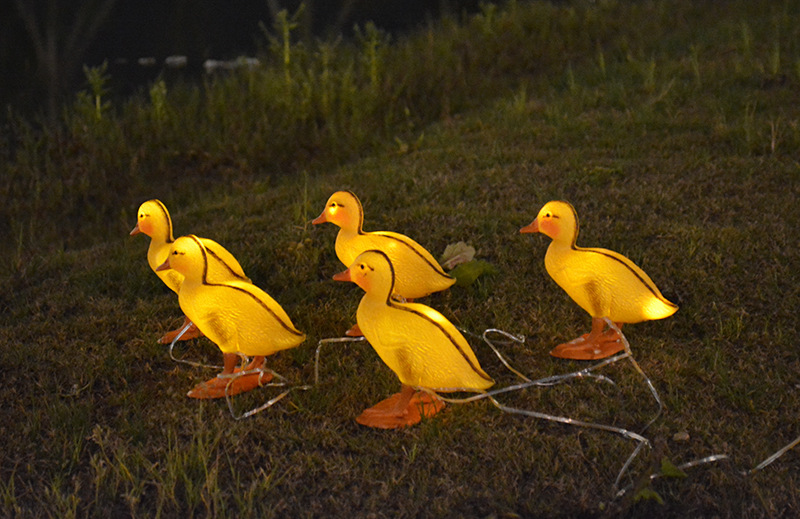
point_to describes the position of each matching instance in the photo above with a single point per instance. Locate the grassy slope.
(669, 163)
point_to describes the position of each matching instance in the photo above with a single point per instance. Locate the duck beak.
(343, 276)
(532, 228)
(163, 266)
(320, 219)
(135, 230)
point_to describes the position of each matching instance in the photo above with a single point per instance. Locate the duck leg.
(216, 387)
(192, 333)
(354, 331)
(597, 344)
(401, 409)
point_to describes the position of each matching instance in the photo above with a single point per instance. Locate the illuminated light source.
(602, 282)
(418, 343)
(154, 221)
(237, 316)
(417, 273)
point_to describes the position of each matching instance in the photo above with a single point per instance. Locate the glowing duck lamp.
(154, 221)
(602, 282)
(418, 274)
(418, 343)
(236, 315)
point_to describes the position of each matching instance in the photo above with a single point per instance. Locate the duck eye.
(333, 204)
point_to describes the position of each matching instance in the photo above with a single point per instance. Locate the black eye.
(548, 215)
(333, 204)
(362, 266)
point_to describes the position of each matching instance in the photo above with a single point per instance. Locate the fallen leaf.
(681, 436)
(467, 273)
(669, 470)
(457, 254)
(649, 494)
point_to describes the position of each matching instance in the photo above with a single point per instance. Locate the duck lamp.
(154, 221)
(237, 316)
(417, 273)
(418, 344)
(602, 282)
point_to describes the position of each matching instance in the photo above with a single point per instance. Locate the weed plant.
(672, 126)
(312, 105)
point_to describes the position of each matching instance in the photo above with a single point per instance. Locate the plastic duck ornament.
(418, 343)
(418, 273)
(153, 220)
(236, 315)
(602, 282)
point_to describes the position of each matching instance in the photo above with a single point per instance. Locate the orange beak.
(320, 219)
(343, 276)
(163, 266)
(532, 228)
(135, 230)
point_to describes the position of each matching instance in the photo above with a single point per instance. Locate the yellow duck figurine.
(418, 343)
(236, 315)
(418, 273)
(602, 282)
(154, 221)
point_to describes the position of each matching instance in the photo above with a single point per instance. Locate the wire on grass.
(189, 362)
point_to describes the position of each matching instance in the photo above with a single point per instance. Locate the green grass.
(674, 129)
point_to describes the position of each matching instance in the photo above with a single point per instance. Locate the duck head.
(558, 220)
(154, 221)
(373, 272)
(344, 209)
(188, 256)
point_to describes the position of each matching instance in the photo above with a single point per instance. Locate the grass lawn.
(680, 153)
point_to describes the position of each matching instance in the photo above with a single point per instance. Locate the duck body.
(420, 345)
(222, 264)
(153, 220)
(418, 274)
(415, 341)
(602, 282)
(606, 284)
(239, 317)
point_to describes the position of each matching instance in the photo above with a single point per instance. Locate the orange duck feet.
(355, 331)
(586, 348)
(192, 333)
(216, 387)
(391, 414)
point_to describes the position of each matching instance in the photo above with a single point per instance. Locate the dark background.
(197, 29)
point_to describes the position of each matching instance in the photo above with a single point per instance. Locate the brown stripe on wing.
(453, 342)
(230, 269)
(435, 266)
(650, 287)
(287, 326)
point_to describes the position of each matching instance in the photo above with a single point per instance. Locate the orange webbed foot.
(192, 333)
(354, 331)
(216, 387)
(590, 346)
(392, 414)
